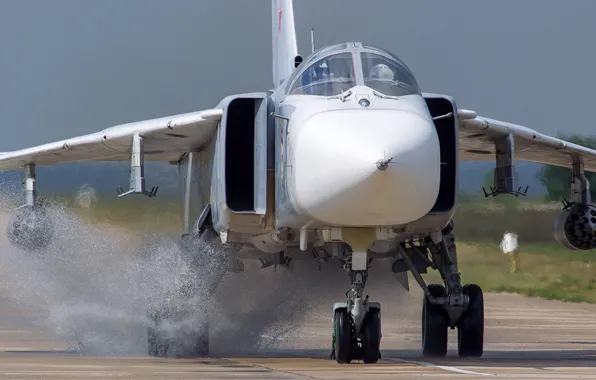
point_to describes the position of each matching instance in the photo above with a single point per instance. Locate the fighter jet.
(344, 160)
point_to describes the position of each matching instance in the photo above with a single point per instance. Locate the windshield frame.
(357, 52)
(324, 52)
(405, 83)
(327, 86)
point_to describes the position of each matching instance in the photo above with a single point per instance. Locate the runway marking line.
(443, 367)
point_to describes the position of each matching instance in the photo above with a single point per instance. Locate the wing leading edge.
(478, 137)
(165, 139)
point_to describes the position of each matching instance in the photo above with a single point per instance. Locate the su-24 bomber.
(344, 160)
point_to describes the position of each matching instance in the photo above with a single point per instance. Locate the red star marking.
(279, 23)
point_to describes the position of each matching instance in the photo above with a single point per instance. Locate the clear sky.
(70, 67)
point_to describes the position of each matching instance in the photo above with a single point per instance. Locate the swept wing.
(479, 135)
(164, 139)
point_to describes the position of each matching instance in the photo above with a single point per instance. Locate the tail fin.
(285, 47)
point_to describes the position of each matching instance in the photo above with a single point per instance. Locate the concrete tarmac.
(268, 324)
(525, 338)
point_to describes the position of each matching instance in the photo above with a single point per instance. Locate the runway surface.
(525, 338)
(266, 324)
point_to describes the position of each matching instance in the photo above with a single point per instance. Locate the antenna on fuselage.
(312, 39)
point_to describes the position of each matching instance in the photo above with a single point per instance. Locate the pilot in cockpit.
(381, 72)
(382, 79)
(328, 77)
(322, 72)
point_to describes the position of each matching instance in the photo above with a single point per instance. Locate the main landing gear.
(448, 305)
(356, 322)
(179, 325)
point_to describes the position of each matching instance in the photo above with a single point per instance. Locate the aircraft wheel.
(156, 345)
(177, 344)
(371, 336)
(470, 329)
(342, 327)
(199, 346)
(435, 323)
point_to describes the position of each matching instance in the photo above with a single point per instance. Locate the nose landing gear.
(356, 322)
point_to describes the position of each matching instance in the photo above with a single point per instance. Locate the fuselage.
(361, 166)
(350, 152)
(357, 149)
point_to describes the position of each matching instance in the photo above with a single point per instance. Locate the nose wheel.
(348, 346)
(371, 337)
(356, 322)
(342, 337)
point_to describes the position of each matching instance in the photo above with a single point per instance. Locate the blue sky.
(71, 67)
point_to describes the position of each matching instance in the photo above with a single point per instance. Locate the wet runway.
(269, 324)
(525, 338)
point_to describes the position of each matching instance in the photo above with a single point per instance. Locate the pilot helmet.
(323, 71)
(382, 72)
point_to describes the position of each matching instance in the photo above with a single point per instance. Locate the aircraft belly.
(336, 177)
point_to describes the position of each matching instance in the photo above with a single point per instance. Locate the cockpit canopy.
(335, 69)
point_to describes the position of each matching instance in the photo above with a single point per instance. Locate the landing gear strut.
(181, 328)
(30, 228)
(450, 305)
(168, 337)
(356, 322)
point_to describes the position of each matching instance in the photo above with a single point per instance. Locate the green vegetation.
(140, 214)
(557, 179)
(543, 270)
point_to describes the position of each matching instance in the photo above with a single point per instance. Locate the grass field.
(544, 269)
(138, 214)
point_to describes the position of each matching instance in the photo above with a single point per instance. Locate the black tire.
(156, 346)
(371, 336)
(200, 344)
(343, 336)
(201, 281)
(470, 329)
(153, 348)
(193, 344)
(184, 342)
(435, 324)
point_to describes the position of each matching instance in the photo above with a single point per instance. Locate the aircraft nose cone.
(370, 168)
